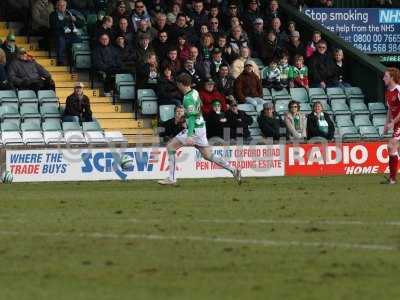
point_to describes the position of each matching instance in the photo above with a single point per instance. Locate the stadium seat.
(52, 132)
(377, 108)
(147, 99)
(248, 108)
(95, 138)
(81, 56)
(305, 108)
(12, 138)
(339, 107)
(114, 137)
(281, 106)
(387, 135)
(283, 94)
(166, 112)
(258, 62)
(344, 121)
(8, 125)
(50, 110)
(125, 85)
(369, 132)
(335, 93)
(267, 94)
(149, 107)
(378, 120)
(91, 126)
(146, 94)
(47, 96)
(29, 110)
(348, 133)
(359, 108)
(315, 94)
(74, 137)
(354, 93)
(299, 94)
(9, 110)
(27, 96)
(31, 133)
(326, 106)
(51, 125)
(8, 96)
(362, 120)
(71, 126)
(255, 122)
(255, 131)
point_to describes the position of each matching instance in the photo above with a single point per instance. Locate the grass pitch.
(273, 238)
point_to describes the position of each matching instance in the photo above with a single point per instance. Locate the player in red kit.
(392, 98)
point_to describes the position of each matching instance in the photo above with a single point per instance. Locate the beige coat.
(291, 132)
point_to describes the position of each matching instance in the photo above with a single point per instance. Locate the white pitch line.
(264, 221)
(155, 237)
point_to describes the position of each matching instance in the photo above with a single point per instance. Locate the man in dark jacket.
(216, 121)
(257, 37)
(269, 122)
(175, 125)
(322, 67)
(161, 45)
(295, 46)
(106, 61)
(77, 106)
(26, 74)
(198, 15)
(225, 82)
(238, 122)
(180, 27)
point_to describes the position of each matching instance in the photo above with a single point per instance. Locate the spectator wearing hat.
(319, 123)
(216, 121)
(26, 74)
(248, 88)
(269, 122)
(106, 62)
(166, 89)
(143, 48)
(257, 36)
(208, 93)
(216, 62)
(295, 46)
(63, 25)
(77, 107)
(224, 82)
(238, 122)
(251, 14)
(10, 48)
(296, 122)
(238, 64)
(174, 125)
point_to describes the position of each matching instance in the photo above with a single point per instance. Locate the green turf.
(82, 240)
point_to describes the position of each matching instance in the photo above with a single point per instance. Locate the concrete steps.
(47, 62)
(137, 131)
(38, 54)
(60, 76)
(118, 124)
(114, 115)
(62, 97)
(67, 84)
(64, 92)
(133, 139)
(53, 69)
(109, 108)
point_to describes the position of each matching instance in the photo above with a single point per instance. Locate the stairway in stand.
(118, 117)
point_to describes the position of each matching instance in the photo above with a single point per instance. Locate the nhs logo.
(389, 16)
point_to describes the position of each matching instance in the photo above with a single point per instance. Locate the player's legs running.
(172, 146)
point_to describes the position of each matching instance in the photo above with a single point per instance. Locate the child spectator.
(284, 68)
(298, 74)
(273, 76)
(312, 46)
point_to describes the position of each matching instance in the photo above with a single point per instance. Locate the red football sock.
(393, 166)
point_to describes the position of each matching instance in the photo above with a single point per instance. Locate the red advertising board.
(336, 159)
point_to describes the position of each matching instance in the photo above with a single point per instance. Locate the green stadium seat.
(47, 96)
(362, 120)
(339, 107)
(248, 108)
(9, 110)
(305, 108)
(8, 125)
(354, 93)
(166, 112)
(255, 131)
(281, 106)
(335, 93)
(283, 94)
(344, 121)
(51, 125)
(359, 108)
(326, 106)
(149, 107)
(71, 126)
(349, 133)
(91, 126)
(387, 135)
(8, 96)
(50, 110)
(125, 84)
(27, 96)
(369, 132)
(299, 94)
(315, 94)
(255, 122)
(377, 108)
(378, 120)
(29, 125)
(267, 94)
(29, 110)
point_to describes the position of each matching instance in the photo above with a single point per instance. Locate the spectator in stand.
(160, 23)
(105, 28)
(215, 13)
(138, 13)
(233, 11)
(251, 14)
(319, 123)
(208, 94)
(198, 14)
(119, 12)
(10, 48)
(227, 53)
(189, 68)
(284, 68)
(322, 67)
(237, 39)
(202, 66)
(181, 27)
(298, 74)
(269, 122)
(166, 89)
(124, 30)
(147, 74)
(238, 122)
(214, 29)
(270, 48)
(144, 28)
(281, 36)
(125, 52)
(143, 48)
(291, 28)
(257, 37)
(296, 122)
(156, 7)
(272, 11)
(206, 46)
(161, 44)
(106, 62)
(173, 13)
(77, 107)
(225, 82)
(4, 85)
(172, 61)
(342, 76)
(312, 46)
(248, 88)
(183, 48)
(272, 75)
(216, 121)
(238, 65)
(64, 29)
(26, 74)
(175, 125)
(216, 61)
(295, 46)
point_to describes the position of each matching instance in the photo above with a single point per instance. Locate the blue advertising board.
(372, 30)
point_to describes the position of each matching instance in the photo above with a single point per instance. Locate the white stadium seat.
(12, 138)
(95, 137)
(114, 136)
(32, 138)
(53, 137)
(74, 137)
